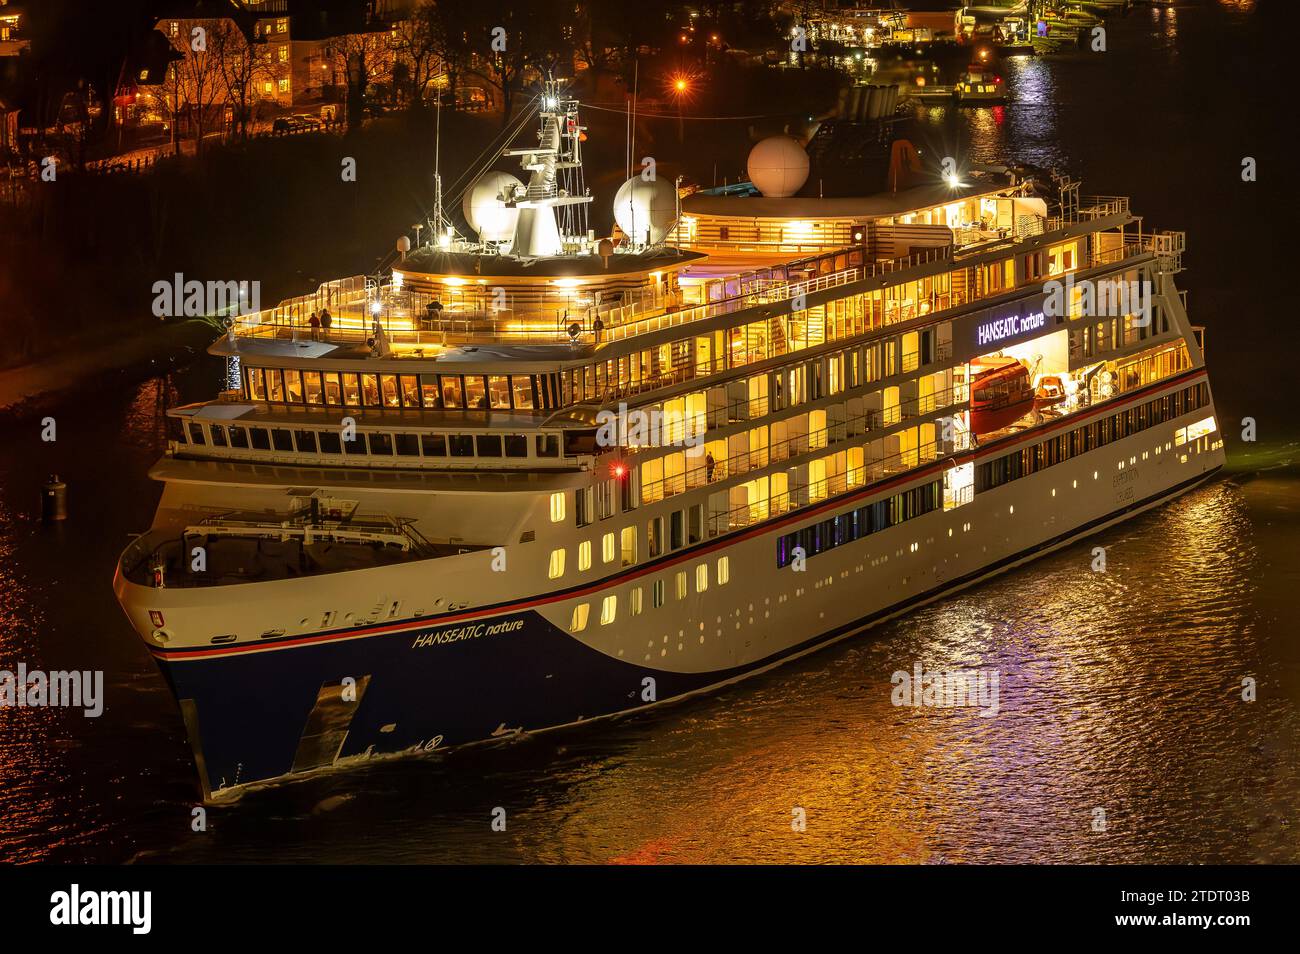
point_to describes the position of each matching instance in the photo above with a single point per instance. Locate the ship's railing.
(164, 559)
(1101, 206)
(836, 432)
(806, 494)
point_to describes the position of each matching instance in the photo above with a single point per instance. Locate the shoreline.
(29, 388)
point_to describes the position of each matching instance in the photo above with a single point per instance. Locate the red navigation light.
(619, 471)
(997, 79)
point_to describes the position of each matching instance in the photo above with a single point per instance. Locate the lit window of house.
(284, 85)
(284, 54)
(282, 25)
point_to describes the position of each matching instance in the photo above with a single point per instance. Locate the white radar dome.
(778, 167)
(646, 211)
(485, 209)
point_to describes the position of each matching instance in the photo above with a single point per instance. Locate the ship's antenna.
(437, 171)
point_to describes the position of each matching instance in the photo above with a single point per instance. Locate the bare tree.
(414, 44)
(240, 68)
(364, 60)
(193, 85)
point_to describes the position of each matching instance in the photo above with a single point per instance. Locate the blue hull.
(252, 708)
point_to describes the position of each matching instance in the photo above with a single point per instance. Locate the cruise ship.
(530, 477)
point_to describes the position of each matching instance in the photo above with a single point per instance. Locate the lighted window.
(579, 621)
(557, 507)
(284, 54)
(657, 594)
(608, 610)
(701, 578)
(724, 570)
(635, 600)
(629, 546)
(584, 555)
(681, 584)
(557, 564)
(1200, 429)
(284, 86)
(607, 548)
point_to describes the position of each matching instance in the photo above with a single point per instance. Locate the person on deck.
(314, 323)
(326, 319)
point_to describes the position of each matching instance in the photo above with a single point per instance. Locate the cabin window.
(333, 390)
(548, 445)
(489, 445)
(475, 393)
(261, 440)
(370, 390)
(329, 442)
(293, 386)
(579, 621)
(357, 445)
(629, 546)
(556, 568)
(196, 434)
(499, 391)
(451, 391)
(218, 435)
(679, 584)
(306, 441)
(557, 507)
(655, 536)
(257, 384)
(381, 444)
(429, 390)
(522, 385)
(238, 436)
(607, 548)
(608, 609)
(724, 570)
(407, 445)
(460, 445)
(311, 387)
(701, 578)
(410, 390)
(657, 594)
(516, 445)
(351, 391)
(677, 530)
(282, 439)
(435, 445)
(388, 390)
(274, 387)
(635, 601)
(584, 555)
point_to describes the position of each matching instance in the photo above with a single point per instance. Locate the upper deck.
(733, 254)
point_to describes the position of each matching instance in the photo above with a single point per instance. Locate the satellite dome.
(778, 166)
(485, 209)
(646, 211)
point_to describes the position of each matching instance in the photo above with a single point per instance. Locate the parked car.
(295, 124)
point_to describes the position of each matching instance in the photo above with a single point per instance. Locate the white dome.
(778, 166)
(485, 209)
(646, 211)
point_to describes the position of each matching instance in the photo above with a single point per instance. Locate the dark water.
(1120, 691)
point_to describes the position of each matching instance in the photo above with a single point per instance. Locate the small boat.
(1000, 393)
(976, 87)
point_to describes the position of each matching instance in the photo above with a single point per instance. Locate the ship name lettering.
(456, 634)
